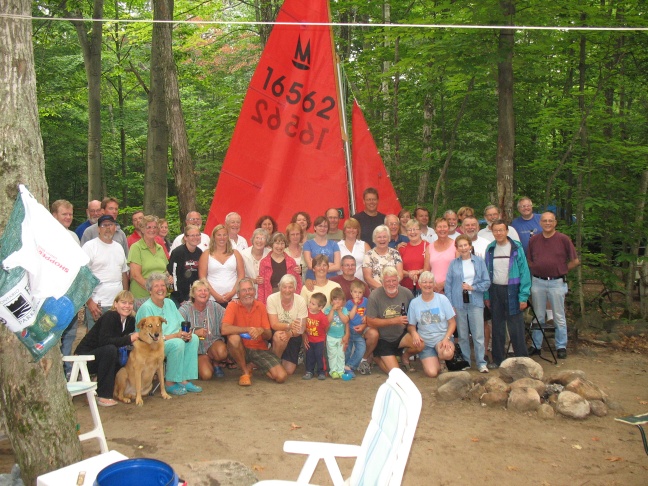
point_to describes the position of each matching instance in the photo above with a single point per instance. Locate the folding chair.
(535, 325)
(89, 388)
(639, 421)
(385, 448)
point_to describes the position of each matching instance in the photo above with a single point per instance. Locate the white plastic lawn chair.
(385, 448)
(88, 388)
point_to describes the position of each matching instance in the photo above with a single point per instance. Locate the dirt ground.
(455, 442)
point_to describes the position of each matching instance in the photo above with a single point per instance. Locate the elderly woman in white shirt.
(253, 255)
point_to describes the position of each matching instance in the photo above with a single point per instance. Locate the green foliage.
(215, 63)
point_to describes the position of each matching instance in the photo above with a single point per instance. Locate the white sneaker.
(483, 369)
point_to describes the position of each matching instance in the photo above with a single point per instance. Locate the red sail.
(368, 167)
(286, 153)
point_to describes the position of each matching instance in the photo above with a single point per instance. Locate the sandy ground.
(455, 442)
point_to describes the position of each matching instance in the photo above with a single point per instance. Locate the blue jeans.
(355, 350)
(67, 341)
(554, 291)
(470, 320)
(503, 320)
(90, 322)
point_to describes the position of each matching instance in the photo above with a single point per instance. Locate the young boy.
(357, 307)
(314, 337)
(337, 337)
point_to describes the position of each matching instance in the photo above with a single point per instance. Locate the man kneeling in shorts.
(248, 316)
(384, 311)
(431, 325)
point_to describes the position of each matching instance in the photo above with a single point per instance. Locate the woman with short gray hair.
(379, 257)
(180, 347)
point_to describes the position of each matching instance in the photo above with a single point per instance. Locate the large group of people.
(381, 289)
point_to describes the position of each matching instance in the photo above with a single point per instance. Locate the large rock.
(476, 392)
(546, 411)
(565, 376)
(221, 472)
(537, 385)
(586, 389)
(572, 405)
(464, 376)
(523, 400)
(495, 398)
(453, 390)
(598, 408)
(513, 369)
(496, 384)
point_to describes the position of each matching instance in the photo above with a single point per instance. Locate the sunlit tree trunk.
(183, 167)
(90, 37)
(157, 146)
(35, 407)
(506, 115)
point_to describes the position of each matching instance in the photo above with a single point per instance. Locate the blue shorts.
(428, 352)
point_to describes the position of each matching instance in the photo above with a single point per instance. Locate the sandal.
(176, 389)
(229, 364)
(244, 380)
(191, 388)
(106, 402)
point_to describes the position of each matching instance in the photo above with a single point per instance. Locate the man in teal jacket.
(509, 291)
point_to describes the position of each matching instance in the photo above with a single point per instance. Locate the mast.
(345, 136)
(343, 121)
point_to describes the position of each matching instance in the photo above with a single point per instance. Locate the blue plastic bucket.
(137, 472)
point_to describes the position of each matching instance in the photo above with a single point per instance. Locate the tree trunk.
(427, 150)
(384, 89)
(36, 409)
(157, 146)
(183, 167)
(91, 49)
(264, 13)
(506, 116)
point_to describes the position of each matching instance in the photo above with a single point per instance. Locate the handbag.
(457, 363)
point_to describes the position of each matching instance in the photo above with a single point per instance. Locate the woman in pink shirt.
(440, 254)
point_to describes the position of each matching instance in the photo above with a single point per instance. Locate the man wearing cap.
(108, 264)
(110, 207)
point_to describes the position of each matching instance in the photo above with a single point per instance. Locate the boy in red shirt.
(315, 337)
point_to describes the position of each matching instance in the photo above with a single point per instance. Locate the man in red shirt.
(551, 255)
(248, 329)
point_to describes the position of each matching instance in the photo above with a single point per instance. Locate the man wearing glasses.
(528, 223)
(194, 218)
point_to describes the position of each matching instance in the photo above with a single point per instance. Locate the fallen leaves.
(294, 426)
(512, 468)
(643, 402)
(577, 446)
(256, 467)
(474, 439)
(614, 459)
(596, 439)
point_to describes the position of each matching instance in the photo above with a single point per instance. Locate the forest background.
(461, 116)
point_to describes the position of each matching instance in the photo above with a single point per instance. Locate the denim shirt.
(455, 278)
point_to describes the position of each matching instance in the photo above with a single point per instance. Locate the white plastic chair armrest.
(80, 364)
(321, 448)
(83, 357)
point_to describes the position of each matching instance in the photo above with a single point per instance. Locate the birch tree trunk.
(35, 408)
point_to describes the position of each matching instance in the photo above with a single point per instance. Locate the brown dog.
(146, 358)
